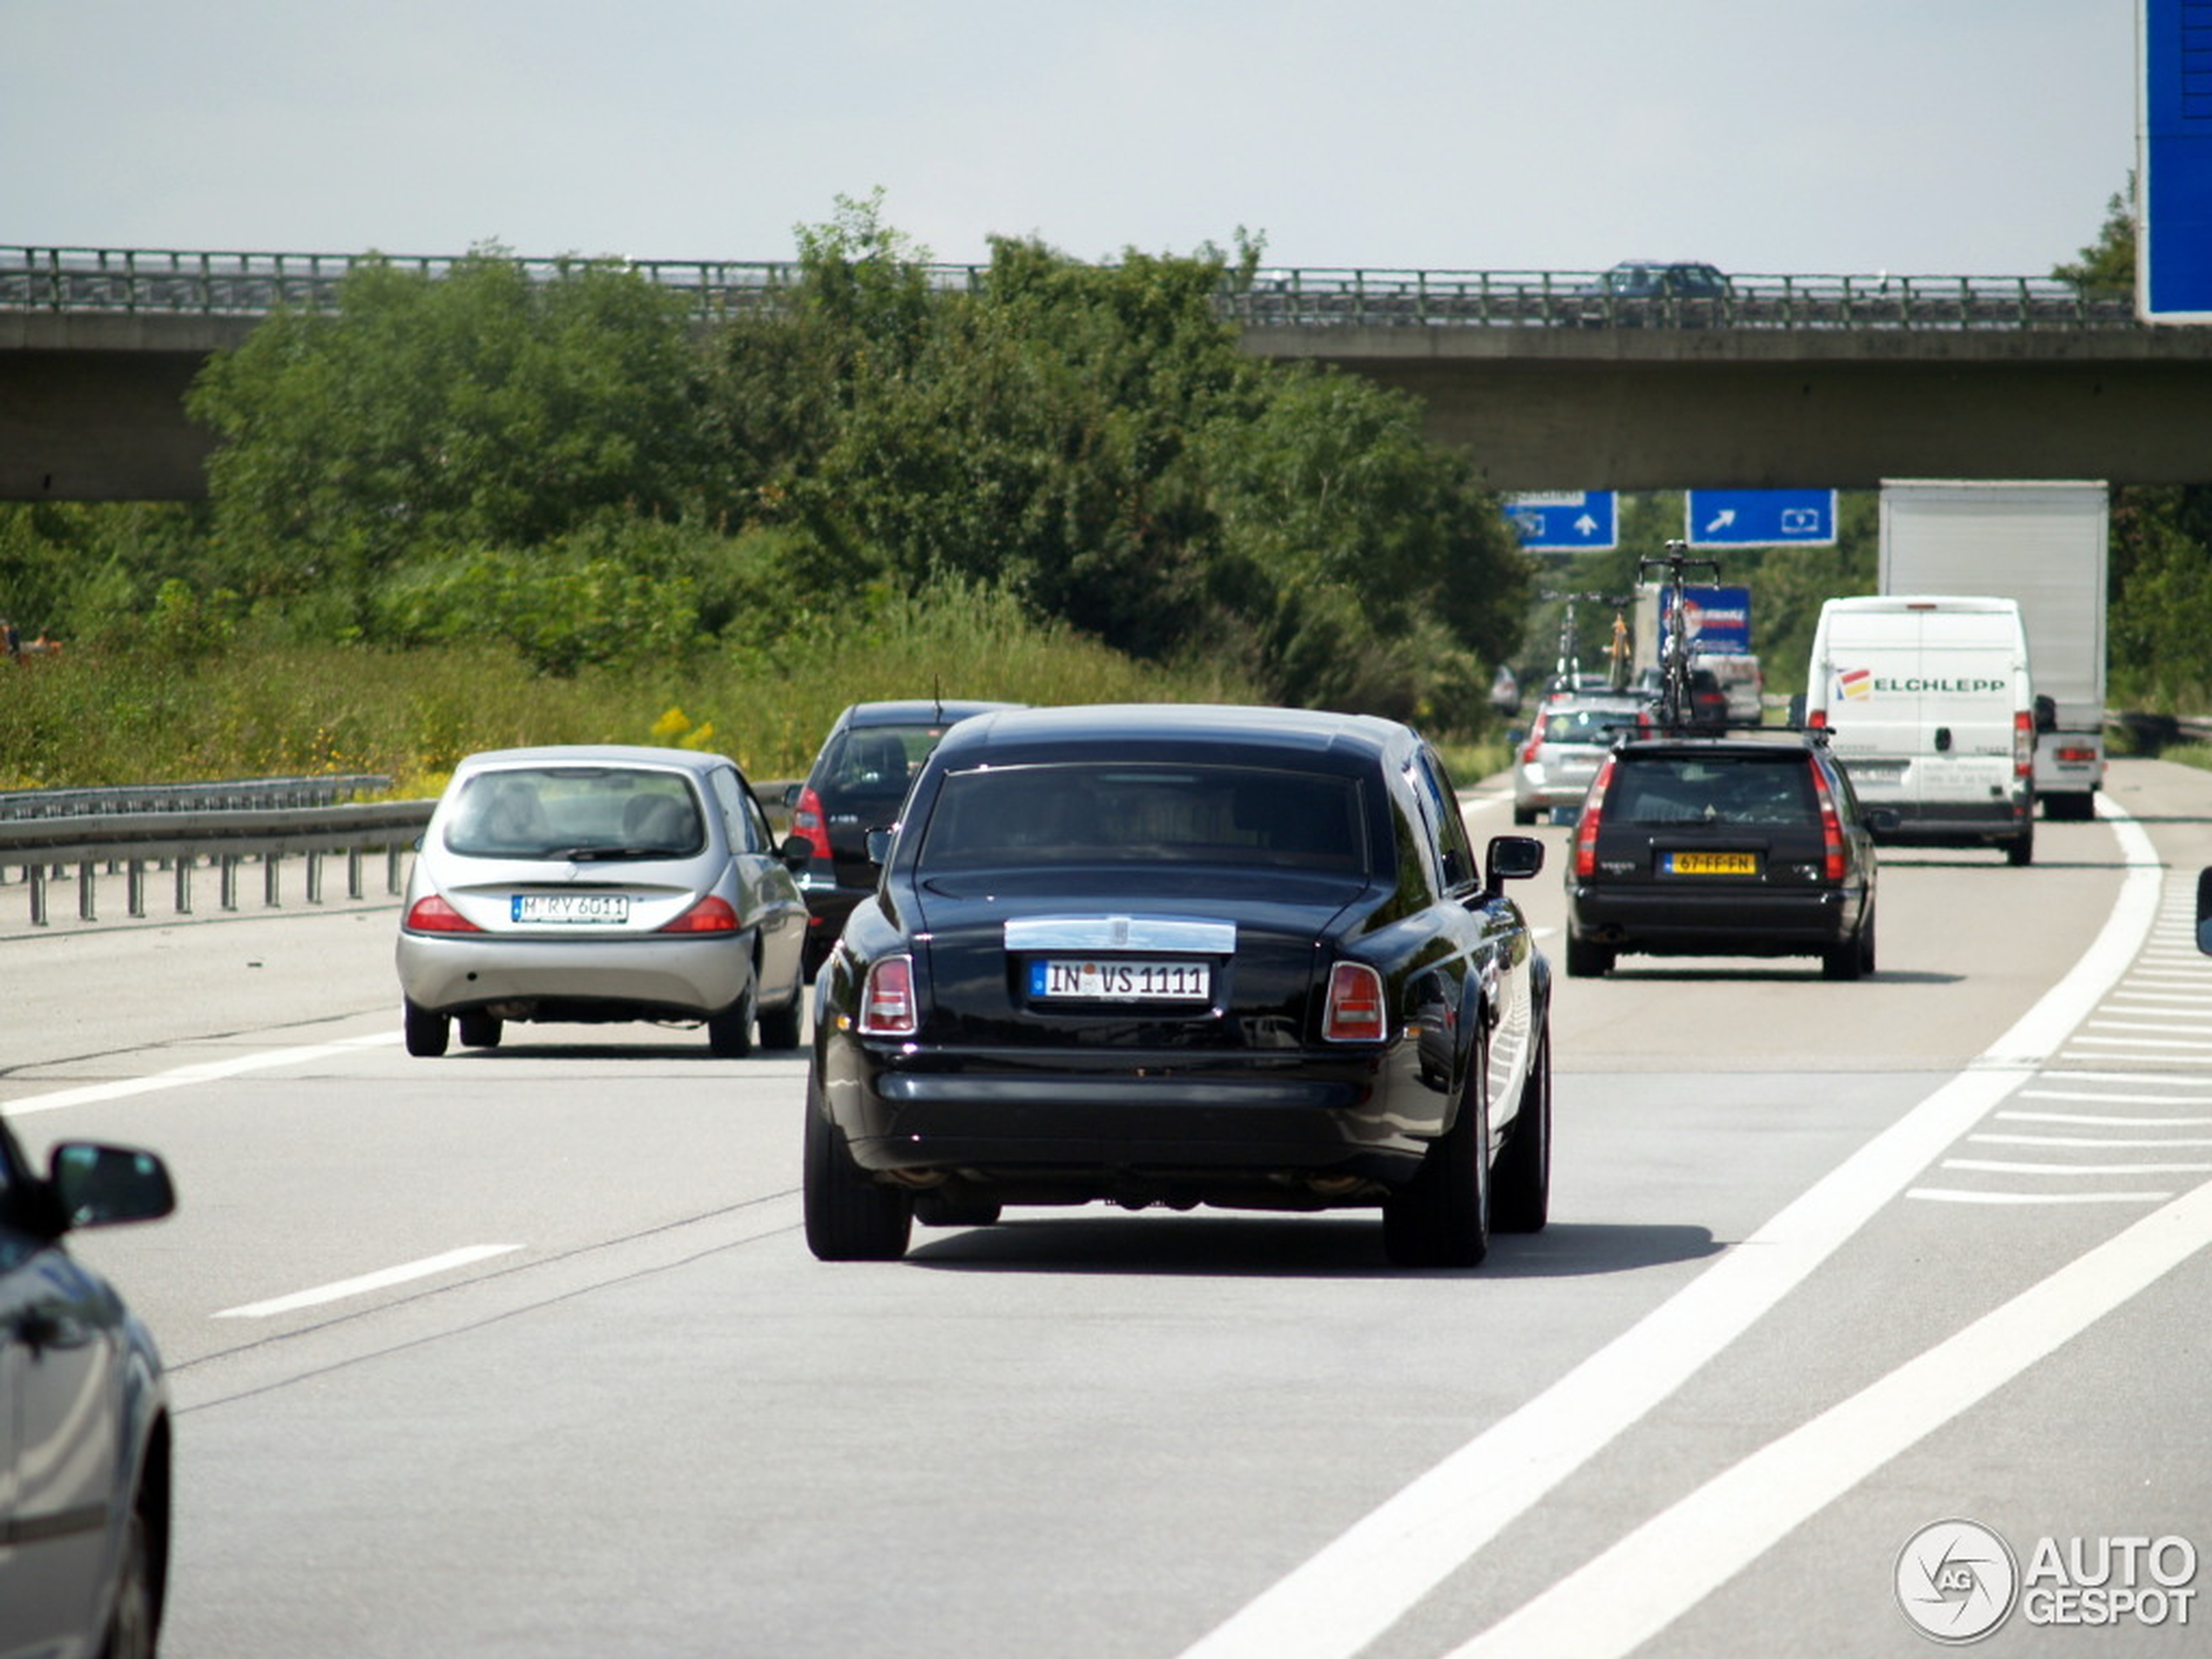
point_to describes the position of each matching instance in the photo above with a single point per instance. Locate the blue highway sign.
(2173, 162)
(1760, 518)
(1573, 520)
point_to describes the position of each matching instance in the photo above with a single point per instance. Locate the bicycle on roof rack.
(1677, 710)
(1567, 668)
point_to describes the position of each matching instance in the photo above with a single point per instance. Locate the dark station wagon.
(1722, 846)
(1176, 955)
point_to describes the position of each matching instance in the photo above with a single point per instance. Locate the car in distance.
(84, 1436)
(1678, 293)
(583, 883)
(1568, 739)
(856, 783)
(1708, 706)
(1749, 846)
(1182, 955)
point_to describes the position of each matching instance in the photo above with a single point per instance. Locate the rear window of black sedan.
(1120, 813)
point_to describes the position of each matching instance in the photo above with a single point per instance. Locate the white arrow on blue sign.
(1760, 518)
(1580, 519)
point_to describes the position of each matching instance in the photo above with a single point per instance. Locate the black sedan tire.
(427, 1033)
(849, 1218)
(1586, 960)
(1442, 1217)
(1520, 1181)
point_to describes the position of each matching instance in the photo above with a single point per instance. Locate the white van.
(1929, 708)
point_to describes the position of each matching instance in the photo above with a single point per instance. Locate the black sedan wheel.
(1441, 1219)
(849, 1218)
(1520, 1192)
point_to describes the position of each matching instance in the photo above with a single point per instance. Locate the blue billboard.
(2174, 161)
(1759, 517)
(1581, 521)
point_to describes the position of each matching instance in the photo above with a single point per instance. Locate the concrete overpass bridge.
(1548, 380)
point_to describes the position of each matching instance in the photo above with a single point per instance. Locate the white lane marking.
(1674, 1560)
(2142, 1043)
(367, 1282)
(1358, 1585)
(2161, 1140)
(2104, 1118)
(2134, 1077)
(2014, 1166)
(1953, 1195)
(200, 1071)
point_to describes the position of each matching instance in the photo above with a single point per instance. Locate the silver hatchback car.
(1569, 738)
(599, 883)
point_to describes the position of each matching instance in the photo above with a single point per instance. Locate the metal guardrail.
(130, 841)
(321, 790)
(253, 284)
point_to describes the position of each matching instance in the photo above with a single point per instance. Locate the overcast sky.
(1926, 137)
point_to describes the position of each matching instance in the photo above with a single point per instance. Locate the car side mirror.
(1512, 858)
(879, 845)
(791, 793)
(2047, 713)
(2204, 911)
(94, 1185)
(1882, 820)
(796, 851)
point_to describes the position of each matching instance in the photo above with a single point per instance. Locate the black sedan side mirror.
(796, 852)
(1512, 858)
(2204, 911)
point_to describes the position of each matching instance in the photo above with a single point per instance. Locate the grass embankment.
(88, 718)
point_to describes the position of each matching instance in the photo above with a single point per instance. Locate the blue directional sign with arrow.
(1760, 518)
(1564, 519)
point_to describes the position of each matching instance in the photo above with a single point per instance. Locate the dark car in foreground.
(1751, 845)
(598, 883)
(859, 778)
(1173, 955)
(84, 1437)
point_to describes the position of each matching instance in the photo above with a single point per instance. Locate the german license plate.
(1069, 979)
(1712, 864)
(566, 909)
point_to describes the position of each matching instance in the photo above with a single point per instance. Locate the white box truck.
(1927, 702)
(2044, 545)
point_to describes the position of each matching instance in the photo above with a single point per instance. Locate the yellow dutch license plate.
(1712, 863)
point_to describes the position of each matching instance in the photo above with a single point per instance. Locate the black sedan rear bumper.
(1673, 921)
(1166, 1125)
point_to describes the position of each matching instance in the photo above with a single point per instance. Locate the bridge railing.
(253, 284)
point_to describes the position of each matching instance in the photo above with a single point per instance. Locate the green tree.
(483, 407)
(2108, 265)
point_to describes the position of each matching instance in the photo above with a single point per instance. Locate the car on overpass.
(1657, 294)
(84, 1437)
(1178, 955)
